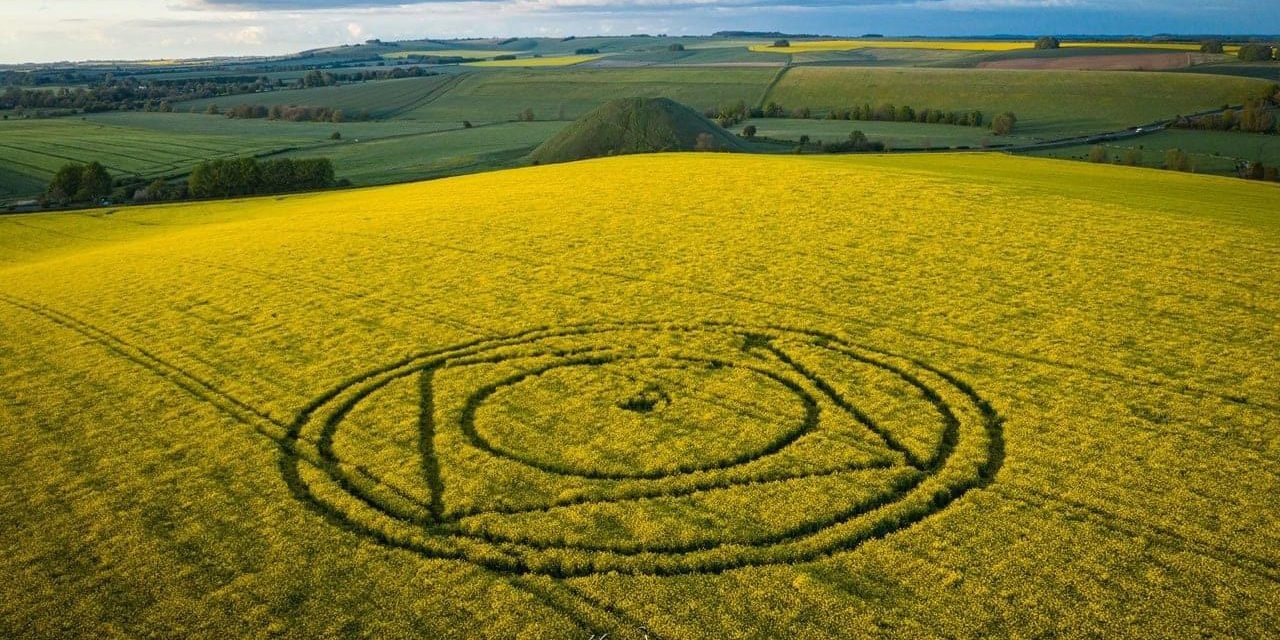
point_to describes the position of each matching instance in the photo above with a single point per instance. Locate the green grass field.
(1048, 103)
(1210, 151)
(35, 149)
(676, 396)
(567, 94)
(154, 145)
(374, 161)
(382, 99)
(893, 134)
(497, 95)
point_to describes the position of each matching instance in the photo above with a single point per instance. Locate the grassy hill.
(730, 395)
(635, 125)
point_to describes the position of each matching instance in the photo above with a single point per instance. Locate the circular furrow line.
(929, 486)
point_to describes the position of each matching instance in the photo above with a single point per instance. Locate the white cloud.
(116, 29)
(251, 35)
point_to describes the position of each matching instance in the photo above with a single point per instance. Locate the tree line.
(249, 176)
(733, 114)
(134, 94)
(76, 183)
(122, 95)
(1257, 116)
(291, 113)
(1180, 160)
(317, 78)
(1258, 52)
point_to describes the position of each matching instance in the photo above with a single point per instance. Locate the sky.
(55, 30)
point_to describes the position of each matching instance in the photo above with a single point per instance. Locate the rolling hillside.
(674, 396)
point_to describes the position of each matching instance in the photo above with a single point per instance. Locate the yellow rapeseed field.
(807, 46)
(667, 396)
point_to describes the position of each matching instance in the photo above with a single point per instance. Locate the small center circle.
(642, 417)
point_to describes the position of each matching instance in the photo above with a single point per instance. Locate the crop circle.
(648, 448)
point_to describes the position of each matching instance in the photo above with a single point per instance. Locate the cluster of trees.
(1004, 124)
(1048, 42)
(731, 114)
(1257, 171)
(1131, 157)
(857, 142)
(248, 176)
(74, 183)
(291, 113)
(586, 51)
(1211, 46)
(1257, 116)
(1257, 52)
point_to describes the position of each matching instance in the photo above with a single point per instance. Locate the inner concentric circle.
(640, 417)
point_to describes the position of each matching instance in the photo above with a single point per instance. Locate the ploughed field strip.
(943, 395)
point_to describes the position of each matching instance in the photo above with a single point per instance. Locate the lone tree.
(749, 131)
(676, 47)
(79, 183)
(1211, 46)
(1098, 154)
(1177, 160)
(1048, 42)
(1004, 124)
